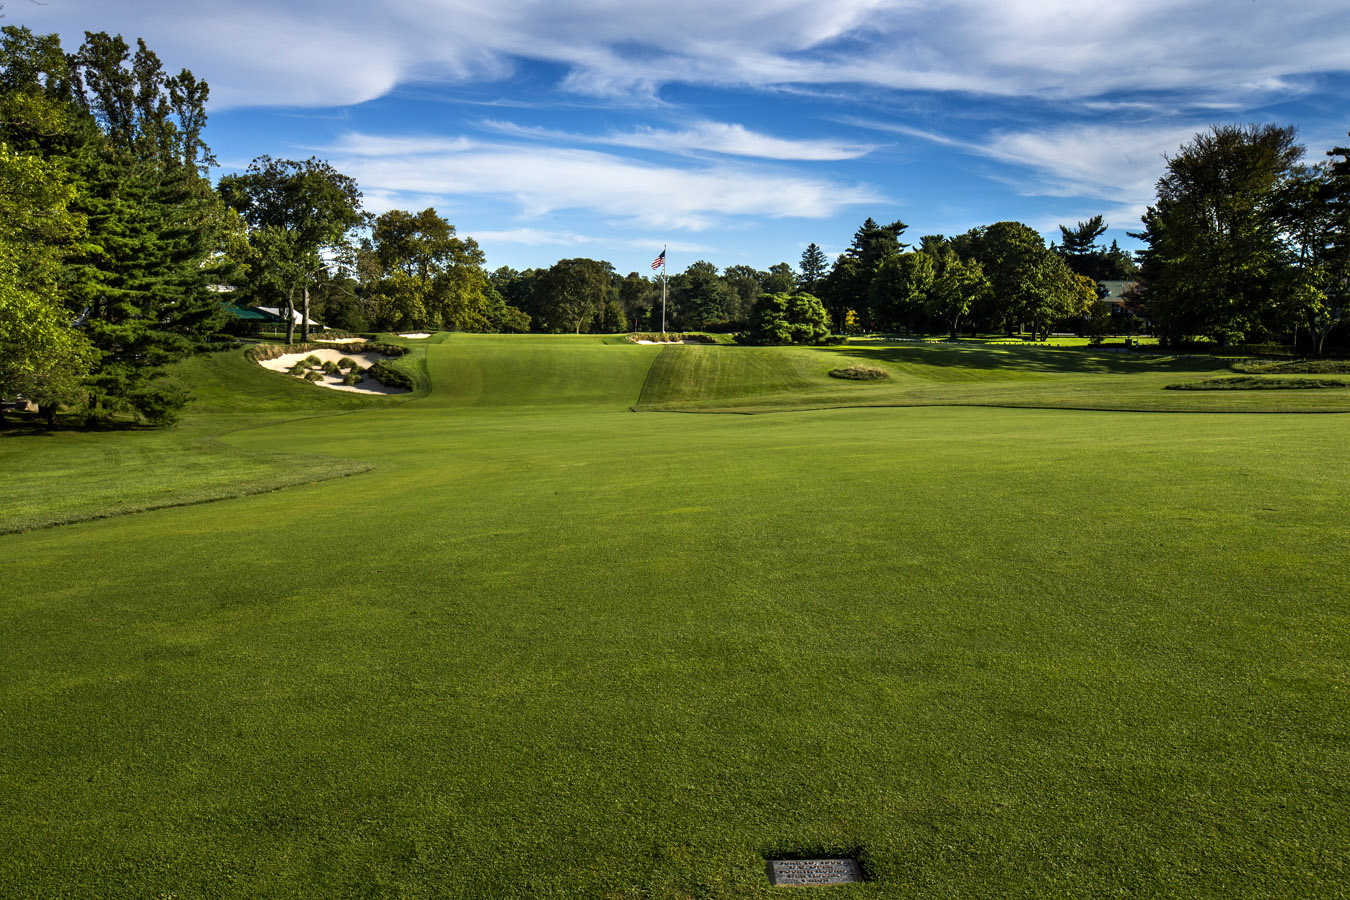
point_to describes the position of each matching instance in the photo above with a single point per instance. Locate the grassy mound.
(861, 373)
(1257, 383)
(773, 379)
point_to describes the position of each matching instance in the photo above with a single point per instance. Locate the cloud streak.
(541, 181)
(335, 52)
(722, 138)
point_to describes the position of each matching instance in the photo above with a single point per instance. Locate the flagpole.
(663, 292)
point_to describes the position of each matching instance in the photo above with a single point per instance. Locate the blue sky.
(738, 132)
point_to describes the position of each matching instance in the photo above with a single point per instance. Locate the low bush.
(669, 337)
(1256, 383)
(347, 363)
(263, 352)
(331, 367)
(861, 373)
(314, 376)
(353, 377)
(386, 374)
(312, 360)
(384, 349)
(298, 369)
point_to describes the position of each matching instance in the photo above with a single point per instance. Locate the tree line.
(116, 250)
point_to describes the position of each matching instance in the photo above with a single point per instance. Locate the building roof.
(250, 313)
(295, 314)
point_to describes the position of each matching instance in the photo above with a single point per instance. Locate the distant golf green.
(1013, 623)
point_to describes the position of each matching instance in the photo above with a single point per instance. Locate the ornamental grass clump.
(330, 367)
(298, 369)
(353, 377)
(347, 363)
(314, 376)
(312, 360)
(861, 373)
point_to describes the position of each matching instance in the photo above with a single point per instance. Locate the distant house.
(1115, 292)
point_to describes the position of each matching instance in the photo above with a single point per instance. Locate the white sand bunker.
(364, 360)
(324, 340)
(417, 337)
(660, 342)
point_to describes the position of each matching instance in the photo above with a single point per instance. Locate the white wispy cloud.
(543, 180)
(534, 237)
(1119, 163)
(334, 52)
(728, 139)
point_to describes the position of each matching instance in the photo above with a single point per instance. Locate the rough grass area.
(1256, 383)
(860, 373)
(1293, 367)
(548, 648)
(73, 475)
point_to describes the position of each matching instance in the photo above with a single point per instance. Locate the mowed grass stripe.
(755, 379)
(1006, 653)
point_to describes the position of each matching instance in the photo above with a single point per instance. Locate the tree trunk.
(290, 319)
(49, 412)
(304, 314)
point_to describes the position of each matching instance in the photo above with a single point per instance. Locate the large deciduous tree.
(958, 285)
(301, 215)
(571, 292)
(431, 278)
(42, 356)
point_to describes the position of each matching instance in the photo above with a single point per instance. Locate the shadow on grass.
(1028, 359)
(34, 425)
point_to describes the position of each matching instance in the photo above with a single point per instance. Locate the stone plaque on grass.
(814, 872)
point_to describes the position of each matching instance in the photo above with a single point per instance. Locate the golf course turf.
(1012, 623)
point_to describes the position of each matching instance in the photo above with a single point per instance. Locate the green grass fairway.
(549, 647)
(696, 378)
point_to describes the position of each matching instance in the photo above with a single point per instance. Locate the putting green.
(549, 647)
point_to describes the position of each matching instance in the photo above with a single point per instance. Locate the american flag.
(660, 260)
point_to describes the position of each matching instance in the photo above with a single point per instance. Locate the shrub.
(347, 363)
(787, 319)
(385, 373)
(689, 337)
(331, 367)
(861, 373)
(314, 376)
(353, 377)
(298, 369)
(312, 360)
(385, 349)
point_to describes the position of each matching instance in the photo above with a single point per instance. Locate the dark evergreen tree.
(129, 138)
(1216, 265)
(847, 287)
(814, 269)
